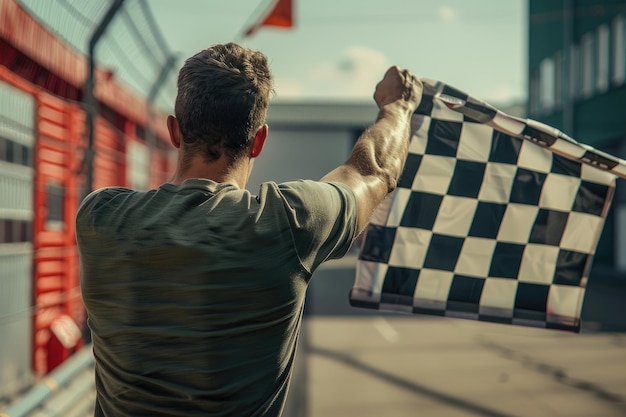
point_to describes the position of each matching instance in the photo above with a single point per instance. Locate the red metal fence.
(58, 189)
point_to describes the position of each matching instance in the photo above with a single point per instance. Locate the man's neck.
(219, 171)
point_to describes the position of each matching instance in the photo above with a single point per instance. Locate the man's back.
(195, 292)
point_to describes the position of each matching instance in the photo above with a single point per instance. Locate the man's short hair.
(223, 95)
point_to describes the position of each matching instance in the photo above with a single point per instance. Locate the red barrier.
(57, 192)
(59, 187)
(44, 66)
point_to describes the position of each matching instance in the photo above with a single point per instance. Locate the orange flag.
(280, 15)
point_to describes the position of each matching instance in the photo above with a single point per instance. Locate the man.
(195, 291)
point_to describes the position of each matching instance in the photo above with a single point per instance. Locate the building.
(577, 83)
(43, 144)
(308, 140)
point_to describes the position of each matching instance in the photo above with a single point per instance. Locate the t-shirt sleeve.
(84, 215)
(323, 219)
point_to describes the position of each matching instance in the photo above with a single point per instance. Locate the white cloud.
(502, 94)
(354, 75)
(447, 14)
(287, 88)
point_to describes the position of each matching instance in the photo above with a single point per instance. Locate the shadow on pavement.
(404, 383)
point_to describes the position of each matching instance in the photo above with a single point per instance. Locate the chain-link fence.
(132, 48)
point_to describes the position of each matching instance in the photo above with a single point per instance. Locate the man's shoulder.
(308, 201)
(309, 187)
(101, 196)
(316, 194)
(321, 216)
(107, 192)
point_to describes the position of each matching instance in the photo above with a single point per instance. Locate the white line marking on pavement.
(386, 330)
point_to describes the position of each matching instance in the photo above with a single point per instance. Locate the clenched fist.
(398, 85)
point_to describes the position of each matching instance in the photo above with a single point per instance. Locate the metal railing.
(67, 391)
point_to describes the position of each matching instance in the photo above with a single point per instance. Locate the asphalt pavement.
(355, 362)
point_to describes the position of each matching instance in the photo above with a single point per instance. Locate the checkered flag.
(495, 218)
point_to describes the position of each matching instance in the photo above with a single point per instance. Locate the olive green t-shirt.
(194, 293)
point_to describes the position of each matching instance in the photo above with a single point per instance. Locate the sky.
(339, 49)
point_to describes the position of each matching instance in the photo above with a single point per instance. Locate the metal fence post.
(89, 99)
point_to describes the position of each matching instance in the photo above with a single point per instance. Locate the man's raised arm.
(377, 159)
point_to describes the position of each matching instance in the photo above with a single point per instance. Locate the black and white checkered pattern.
(495, 218)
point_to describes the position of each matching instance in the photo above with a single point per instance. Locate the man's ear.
(258, 141)
(174, 129)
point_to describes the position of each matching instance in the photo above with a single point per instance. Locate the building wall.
(306, 141)
(577, 67)
(577, 83)
(292, 154)
(17, 139)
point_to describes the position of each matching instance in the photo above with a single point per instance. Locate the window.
(534, 93)
(3, 149)
(574, 72)
(546, 85)
(138, 165)
(27, 156)
(6, 231)
(9, 151)
(587, 63)
(55, 220)
(25, 231)
(140, 132)
(559, 79)
(12, 231)
(602, 59)
(619, 50)
(15, 153)
(620, 238)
